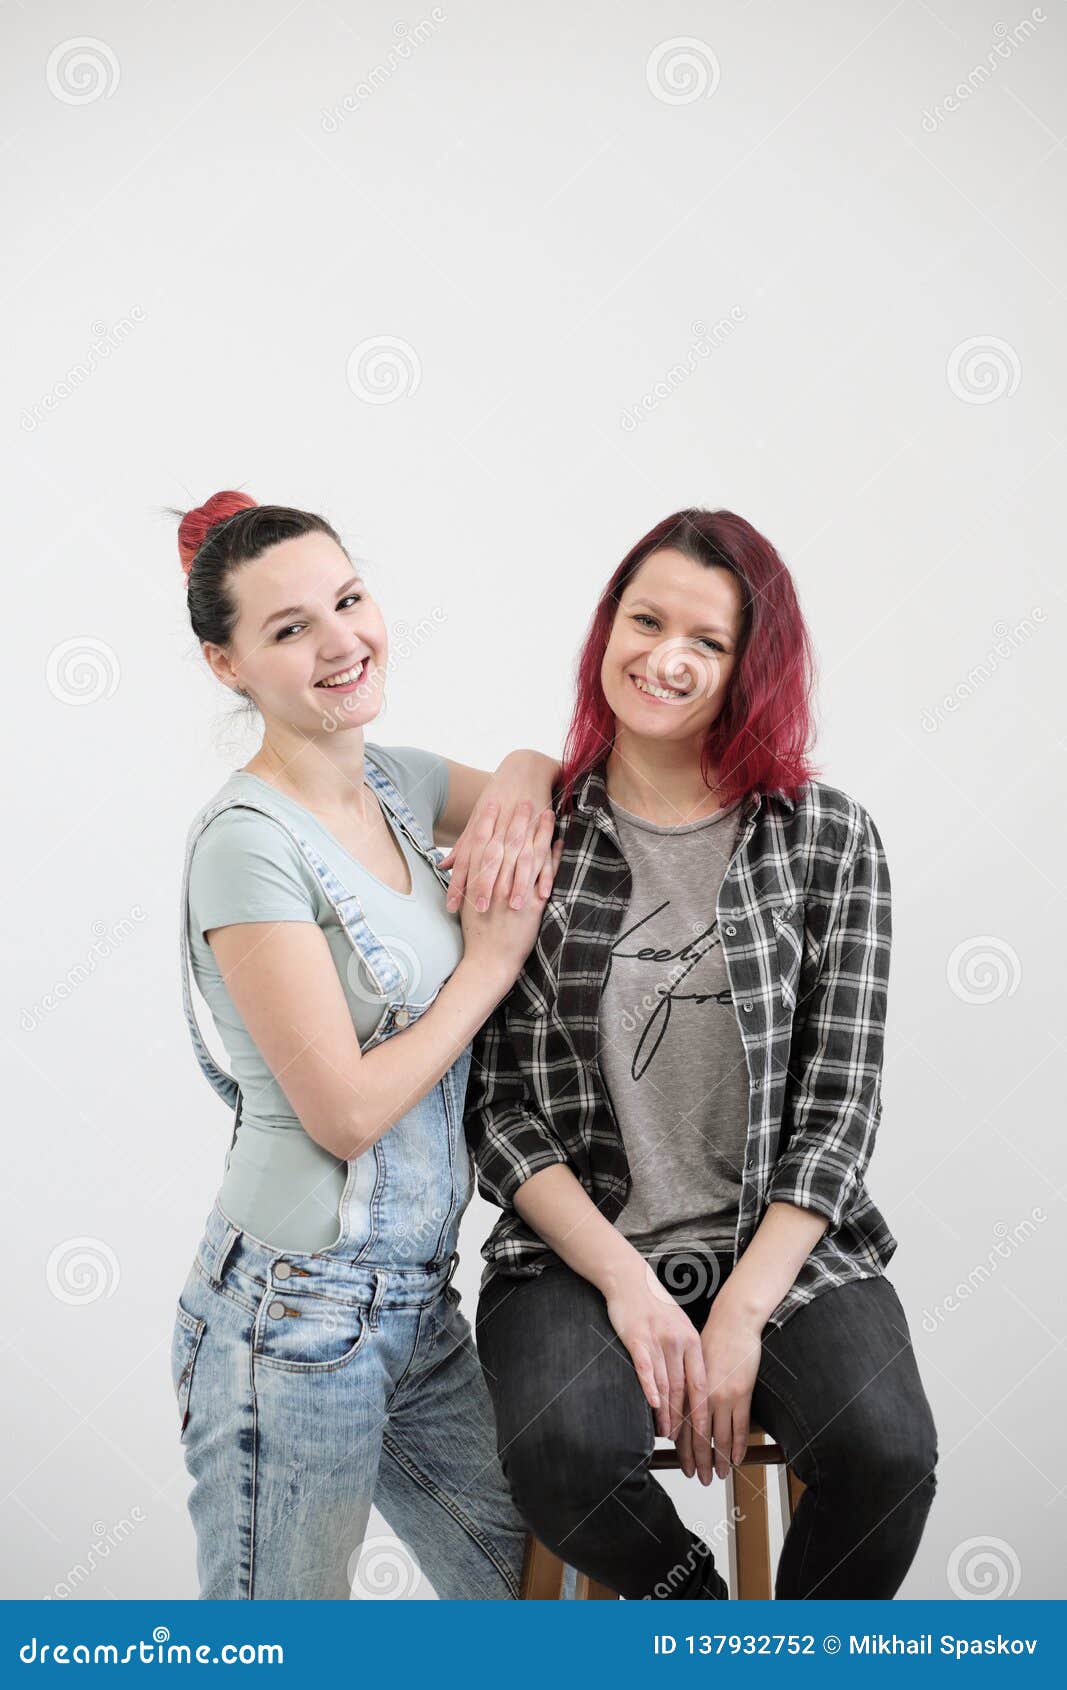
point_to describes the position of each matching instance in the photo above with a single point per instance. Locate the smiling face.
(304, 617)
(673, 648)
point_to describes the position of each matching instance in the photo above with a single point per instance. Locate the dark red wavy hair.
(762, 735)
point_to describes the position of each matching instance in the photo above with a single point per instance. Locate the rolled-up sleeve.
(833, 1100)
(509, 1139)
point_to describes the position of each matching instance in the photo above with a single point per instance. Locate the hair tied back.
(196, 525)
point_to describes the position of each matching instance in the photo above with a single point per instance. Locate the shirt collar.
(592, 795)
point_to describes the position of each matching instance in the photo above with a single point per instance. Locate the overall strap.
(403, 815)
(385, 973)
(223, 1083)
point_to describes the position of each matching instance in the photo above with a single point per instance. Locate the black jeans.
(838, 1388)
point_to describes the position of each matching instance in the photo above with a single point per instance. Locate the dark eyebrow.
(712, 627)
(298, 609)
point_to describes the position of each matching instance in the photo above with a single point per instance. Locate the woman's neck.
(659, 781)
(325, 775)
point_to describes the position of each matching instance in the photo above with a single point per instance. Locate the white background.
(551, 221)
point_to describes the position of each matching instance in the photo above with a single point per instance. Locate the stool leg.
(588, 1590)
(797, 1487)
(750, 1548)
(542, 1573)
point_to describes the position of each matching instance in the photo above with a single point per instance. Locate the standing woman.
(319, 1357)
(676, 1105)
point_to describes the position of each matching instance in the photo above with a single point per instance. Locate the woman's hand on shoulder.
(505, 844)
(498, 940)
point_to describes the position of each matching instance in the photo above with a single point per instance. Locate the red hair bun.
(196, 525)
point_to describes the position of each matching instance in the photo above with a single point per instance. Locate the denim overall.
(311, 1384)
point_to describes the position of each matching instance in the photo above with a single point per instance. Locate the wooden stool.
(746, 1514)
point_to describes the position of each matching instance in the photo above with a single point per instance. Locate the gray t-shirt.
(279, 1184)
(670, 1047)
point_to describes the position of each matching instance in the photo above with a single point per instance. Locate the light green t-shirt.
(279, 1184)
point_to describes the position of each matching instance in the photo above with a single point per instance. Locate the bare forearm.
(556, 1205)
(392, 1077)
(775, 1255)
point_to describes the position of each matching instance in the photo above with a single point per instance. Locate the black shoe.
(706, 1584)
(715, 1587)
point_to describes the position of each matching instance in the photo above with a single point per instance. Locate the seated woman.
(676, 1104)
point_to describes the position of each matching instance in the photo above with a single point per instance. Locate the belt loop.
(453, 1263)
(381, 1280)
(222, 1254)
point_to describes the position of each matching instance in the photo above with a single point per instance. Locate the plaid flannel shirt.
(805, 926)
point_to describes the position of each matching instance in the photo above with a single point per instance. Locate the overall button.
(282, 1270)
(276, 1310)
(401, 1018)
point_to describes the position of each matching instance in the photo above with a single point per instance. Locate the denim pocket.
(308, 1334)
(185, 1342)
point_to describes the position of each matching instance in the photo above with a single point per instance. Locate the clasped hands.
(698, 1382)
